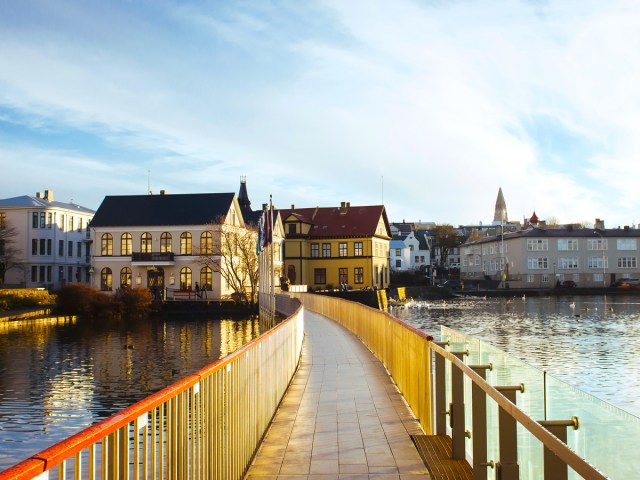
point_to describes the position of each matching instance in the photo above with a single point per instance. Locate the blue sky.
(429, 106)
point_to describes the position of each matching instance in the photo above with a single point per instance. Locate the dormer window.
(292, 229)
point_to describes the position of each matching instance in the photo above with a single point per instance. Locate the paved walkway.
(342, 417)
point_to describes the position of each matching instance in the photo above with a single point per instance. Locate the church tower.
(243, 196)
(500, 215)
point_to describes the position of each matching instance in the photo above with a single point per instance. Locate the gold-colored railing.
(403, 350)
(206, 426)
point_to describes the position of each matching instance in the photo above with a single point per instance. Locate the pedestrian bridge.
(337, 390)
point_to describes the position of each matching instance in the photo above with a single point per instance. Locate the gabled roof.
(28, 201)
(397, 244)
(160, 210)
(347, 221)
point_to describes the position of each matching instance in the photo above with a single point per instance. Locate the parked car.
(627, 283)
(452, 284)
(569, 284)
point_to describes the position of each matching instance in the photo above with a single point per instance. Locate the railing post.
(507, 468)
(440, 397)
(479, 423)
(554, 468)
(456, 410)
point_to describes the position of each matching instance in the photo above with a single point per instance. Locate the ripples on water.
(58, 376)
(588, 342)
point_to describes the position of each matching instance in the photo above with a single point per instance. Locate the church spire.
(500, 215)
(243, 196)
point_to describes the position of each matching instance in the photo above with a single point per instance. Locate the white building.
(51, 245)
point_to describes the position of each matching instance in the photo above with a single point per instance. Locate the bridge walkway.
(342, 417)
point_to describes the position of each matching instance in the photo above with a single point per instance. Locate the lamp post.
(603, 264)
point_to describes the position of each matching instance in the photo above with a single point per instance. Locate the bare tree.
(233, 255)
(446, 238)
(10, 255)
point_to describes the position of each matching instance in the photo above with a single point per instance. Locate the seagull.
(572, 304)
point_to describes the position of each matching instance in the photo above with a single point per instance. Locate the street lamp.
(603, 265)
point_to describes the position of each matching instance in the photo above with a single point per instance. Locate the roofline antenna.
(149, 182)
(382, 188)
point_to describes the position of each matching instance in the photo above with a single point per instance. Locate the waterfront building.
(410, 251)
(325, 247)
(49, 245)
(158, 241)
(540, 257)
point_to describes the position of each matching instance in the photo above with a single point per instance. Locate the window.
(49, 246)
(598, 277)
(416, 259)
(627, 262)
(34, 273)
(106, 245)
(206, 278)
(106, 278)
(126, 244)
(48, 273)
(342, 249)
(185, 278)
(34, 246)
(61, 248)
(343, 275)
(70, 274)
(398, 252)
(315, 250)
(206, 243)
(398, 263)
(34, 221)
(125, 277)
(61, 223)
(545, 278)
(596, 244)
(79, 249)
(567, 263)
(626, 244)
(565, 244)
(70, 248)
(358, 275)
(43, 246)
(357, 249)
(49, 219)
(80, 224)
(530, 278)
(537, 244)
(292, 229)
(537, 263)
(70, 223)
(165, 242)
(42, 220)
(185, 243)
(326, 250)
(41, 270)
(319, 276)
(145, 243)
(596, 262)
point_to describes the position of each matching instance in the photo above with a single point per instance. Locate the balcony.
(151, 259)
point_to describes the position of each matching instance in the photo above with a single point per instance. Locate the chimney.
(293, 207)
(48, 195)
(163, 192)
(599, 224)
(344, 206)
(38, 194)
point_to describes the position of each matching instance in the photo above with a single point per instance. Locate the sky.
(428, 107)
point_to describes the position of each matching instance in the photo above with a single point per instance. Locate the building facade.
(159, 241)
(49, 245)
(332, 246)
(542, 257)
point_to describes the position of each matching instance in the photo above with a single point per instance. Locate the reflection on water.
(588, 342)
(60, 375)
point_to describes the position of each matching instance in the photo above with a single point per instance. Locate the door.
(155, 282)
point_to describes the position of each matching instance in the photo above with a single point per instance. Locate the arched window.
(206, 243)
(145, 243)
(185, 278)
(206, 278)
(165, 242)
(107, 245)
(106, 279)
(185, 243)
(126, 244)
(125, 277)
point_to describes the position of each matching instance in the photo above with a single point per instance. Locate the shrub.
(133, 301)
(79, 299)
(28, 297)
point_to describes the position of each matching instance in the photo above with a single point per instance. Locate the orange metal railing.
(208, 425)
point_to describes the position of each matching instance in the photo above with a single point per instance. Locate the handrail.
(257, 375)
(559, 448)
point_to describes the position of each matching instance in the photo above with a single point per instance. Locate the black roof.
(152, 210)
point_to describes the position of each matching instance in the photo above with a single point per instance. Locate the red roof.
(330, 222)
(534, 218)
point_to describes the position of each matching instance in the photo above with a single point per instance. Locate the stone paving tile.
(342, 417)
